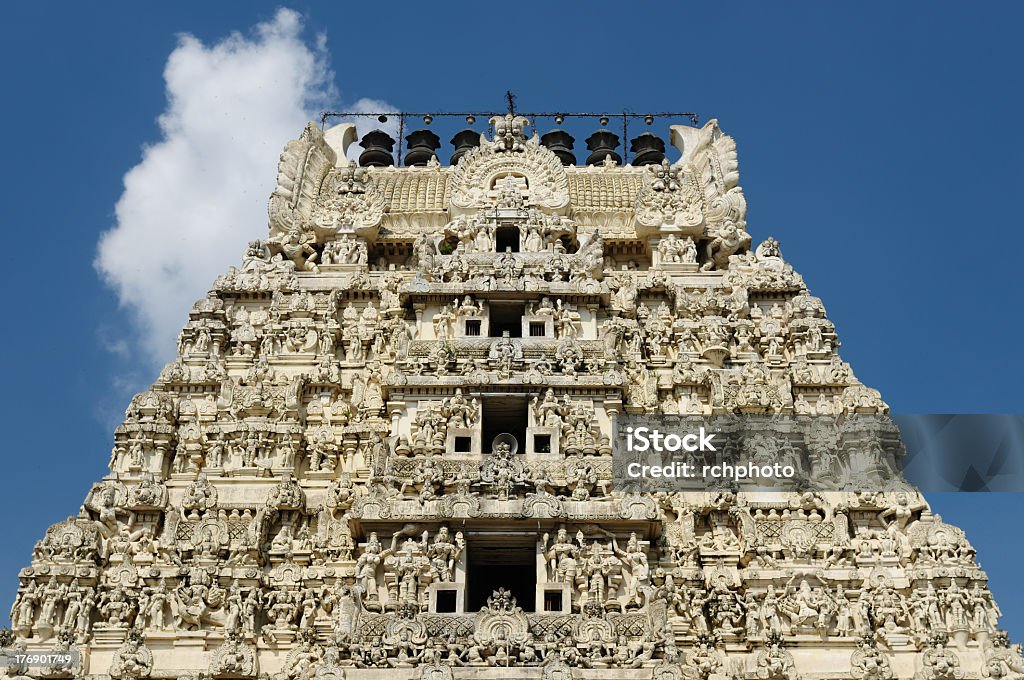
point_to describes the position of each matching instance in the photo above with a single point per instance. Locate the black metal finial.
(511, 99)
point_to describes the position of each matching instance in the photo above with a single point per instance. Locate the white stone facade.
(320, 485)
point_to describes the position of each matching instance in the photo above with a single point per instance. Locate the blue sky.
(879, 142)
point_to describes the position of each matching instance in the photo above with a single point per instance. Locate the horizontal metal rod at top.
(481, 114)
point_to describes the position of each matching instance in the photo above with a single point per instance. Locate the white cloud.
(200, 193)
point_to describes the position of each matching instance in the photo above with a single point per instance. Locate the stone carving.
(233, 660)
(868, 663)
(670, 199)
(473, 180)
(200, 496)
(385, 447)
(938, 662)
(774, 662)
(304, 163)
(348, 200)
(675, 250)
(1002, 661)
(133, 660)
(503, 472)
(500, 629)
(296, 247)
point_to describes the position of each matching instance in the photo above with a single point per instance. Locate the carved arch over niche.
(475, 180)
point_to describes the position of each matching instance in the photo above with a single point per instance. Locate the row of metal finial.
(471, 117)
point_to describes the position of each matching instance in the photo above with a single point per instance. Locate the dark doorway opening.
(506, 238)
(498, 561)
(506, 317)
(504, 414)
(446, 601)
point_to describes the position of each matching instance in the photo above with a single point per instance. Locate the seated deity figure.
(295, 247)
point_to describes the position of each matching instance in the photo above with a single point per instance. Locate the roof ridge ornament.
(483, 173)
(508, 133)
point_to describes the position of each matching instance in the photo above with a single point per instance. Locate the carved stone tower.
(384, 449)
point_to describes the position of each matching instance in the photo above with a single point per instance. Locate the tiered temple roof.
(385, 449)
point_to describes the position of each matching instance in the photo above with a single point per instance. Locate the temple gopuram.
(384, 449)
